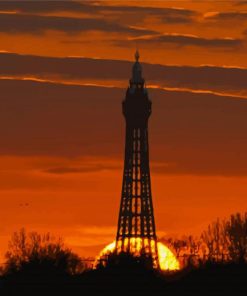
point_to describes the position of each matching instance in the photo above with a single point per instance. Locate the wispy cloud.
(87, 168)
(36, 24)
(224, 16)
(227, 80)
(91, 236)
(166, 14)
(187, 40)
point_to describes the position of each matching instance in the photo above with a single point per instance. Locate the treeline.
(224, 241)
(28, 252)
(39, 264)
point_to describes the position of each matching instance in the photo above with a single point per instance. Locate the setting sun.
(167, 260)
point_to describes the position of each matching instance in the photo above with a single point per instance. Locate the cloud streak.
(46, 6)
(68, 69)
(167, 14)
(36, 24)
(187, 40)
(227, 16)
(87, 168)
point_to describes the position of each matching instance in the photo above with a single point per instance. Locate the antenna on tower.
(137, 55)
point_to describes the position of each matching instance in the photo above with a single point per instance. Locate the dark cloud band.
(186, 40)
(93, 8)
(190, 133)
(72, 69)
(36, 24)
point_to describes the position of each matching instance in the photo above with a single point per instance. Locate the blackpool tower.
(136, 226)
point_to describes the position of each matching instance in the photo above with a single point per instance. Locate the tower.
(136, 227)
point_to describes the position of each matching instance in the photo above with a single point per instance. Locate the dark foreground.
(224, 280)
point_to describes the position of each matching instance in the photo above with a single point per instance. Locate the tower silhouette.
(136, 226)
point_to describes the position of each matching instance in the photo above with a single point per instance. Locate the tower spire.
(137, 79)
(137, 55)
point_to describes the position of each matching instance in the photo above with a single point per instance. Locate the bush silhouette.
(226, 240)
(126, 260)
(33, 253)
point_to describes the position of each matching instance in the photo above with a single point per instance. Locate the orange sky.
(62, 144)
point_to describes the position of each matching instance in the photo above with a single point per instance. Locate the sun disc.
(167, 260)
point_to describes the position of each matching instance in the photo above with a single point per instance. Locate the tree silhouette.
(227, 240)
(216, 241)
(126, 260)
(236, 230)
(185, 248)
(42, 253)
(223, 241)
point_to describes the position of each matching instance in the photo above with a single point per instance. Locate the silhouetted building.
(136, 227)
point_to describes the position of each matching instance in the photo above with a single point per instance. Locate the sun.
(167, 260)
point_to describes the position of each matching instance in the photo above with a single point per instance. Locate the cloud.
(189, 133)
(36, 24)
(68, 69)
(167, 14)
(224, 16)
(241, 2)
(96, 230)
(46, 6)
(187, 40)
(245, 32)
(73, 69)
(88, 168)
(91, 236)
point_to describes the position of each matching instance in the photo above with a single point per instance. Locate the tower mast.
(136, 226)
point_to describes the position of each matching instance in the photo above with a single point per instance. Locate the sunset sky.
(64, 70)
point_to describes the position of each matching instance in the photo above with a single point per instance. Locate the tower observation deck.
(136, 226)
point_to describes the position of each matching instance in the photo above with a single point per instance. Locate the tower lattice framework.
(136, 226)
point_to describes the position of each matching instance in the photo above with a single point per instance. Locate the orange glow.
(167, 260)
(72, 202)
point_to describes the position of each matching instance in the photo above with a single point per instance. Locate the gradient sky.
(64, 70)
